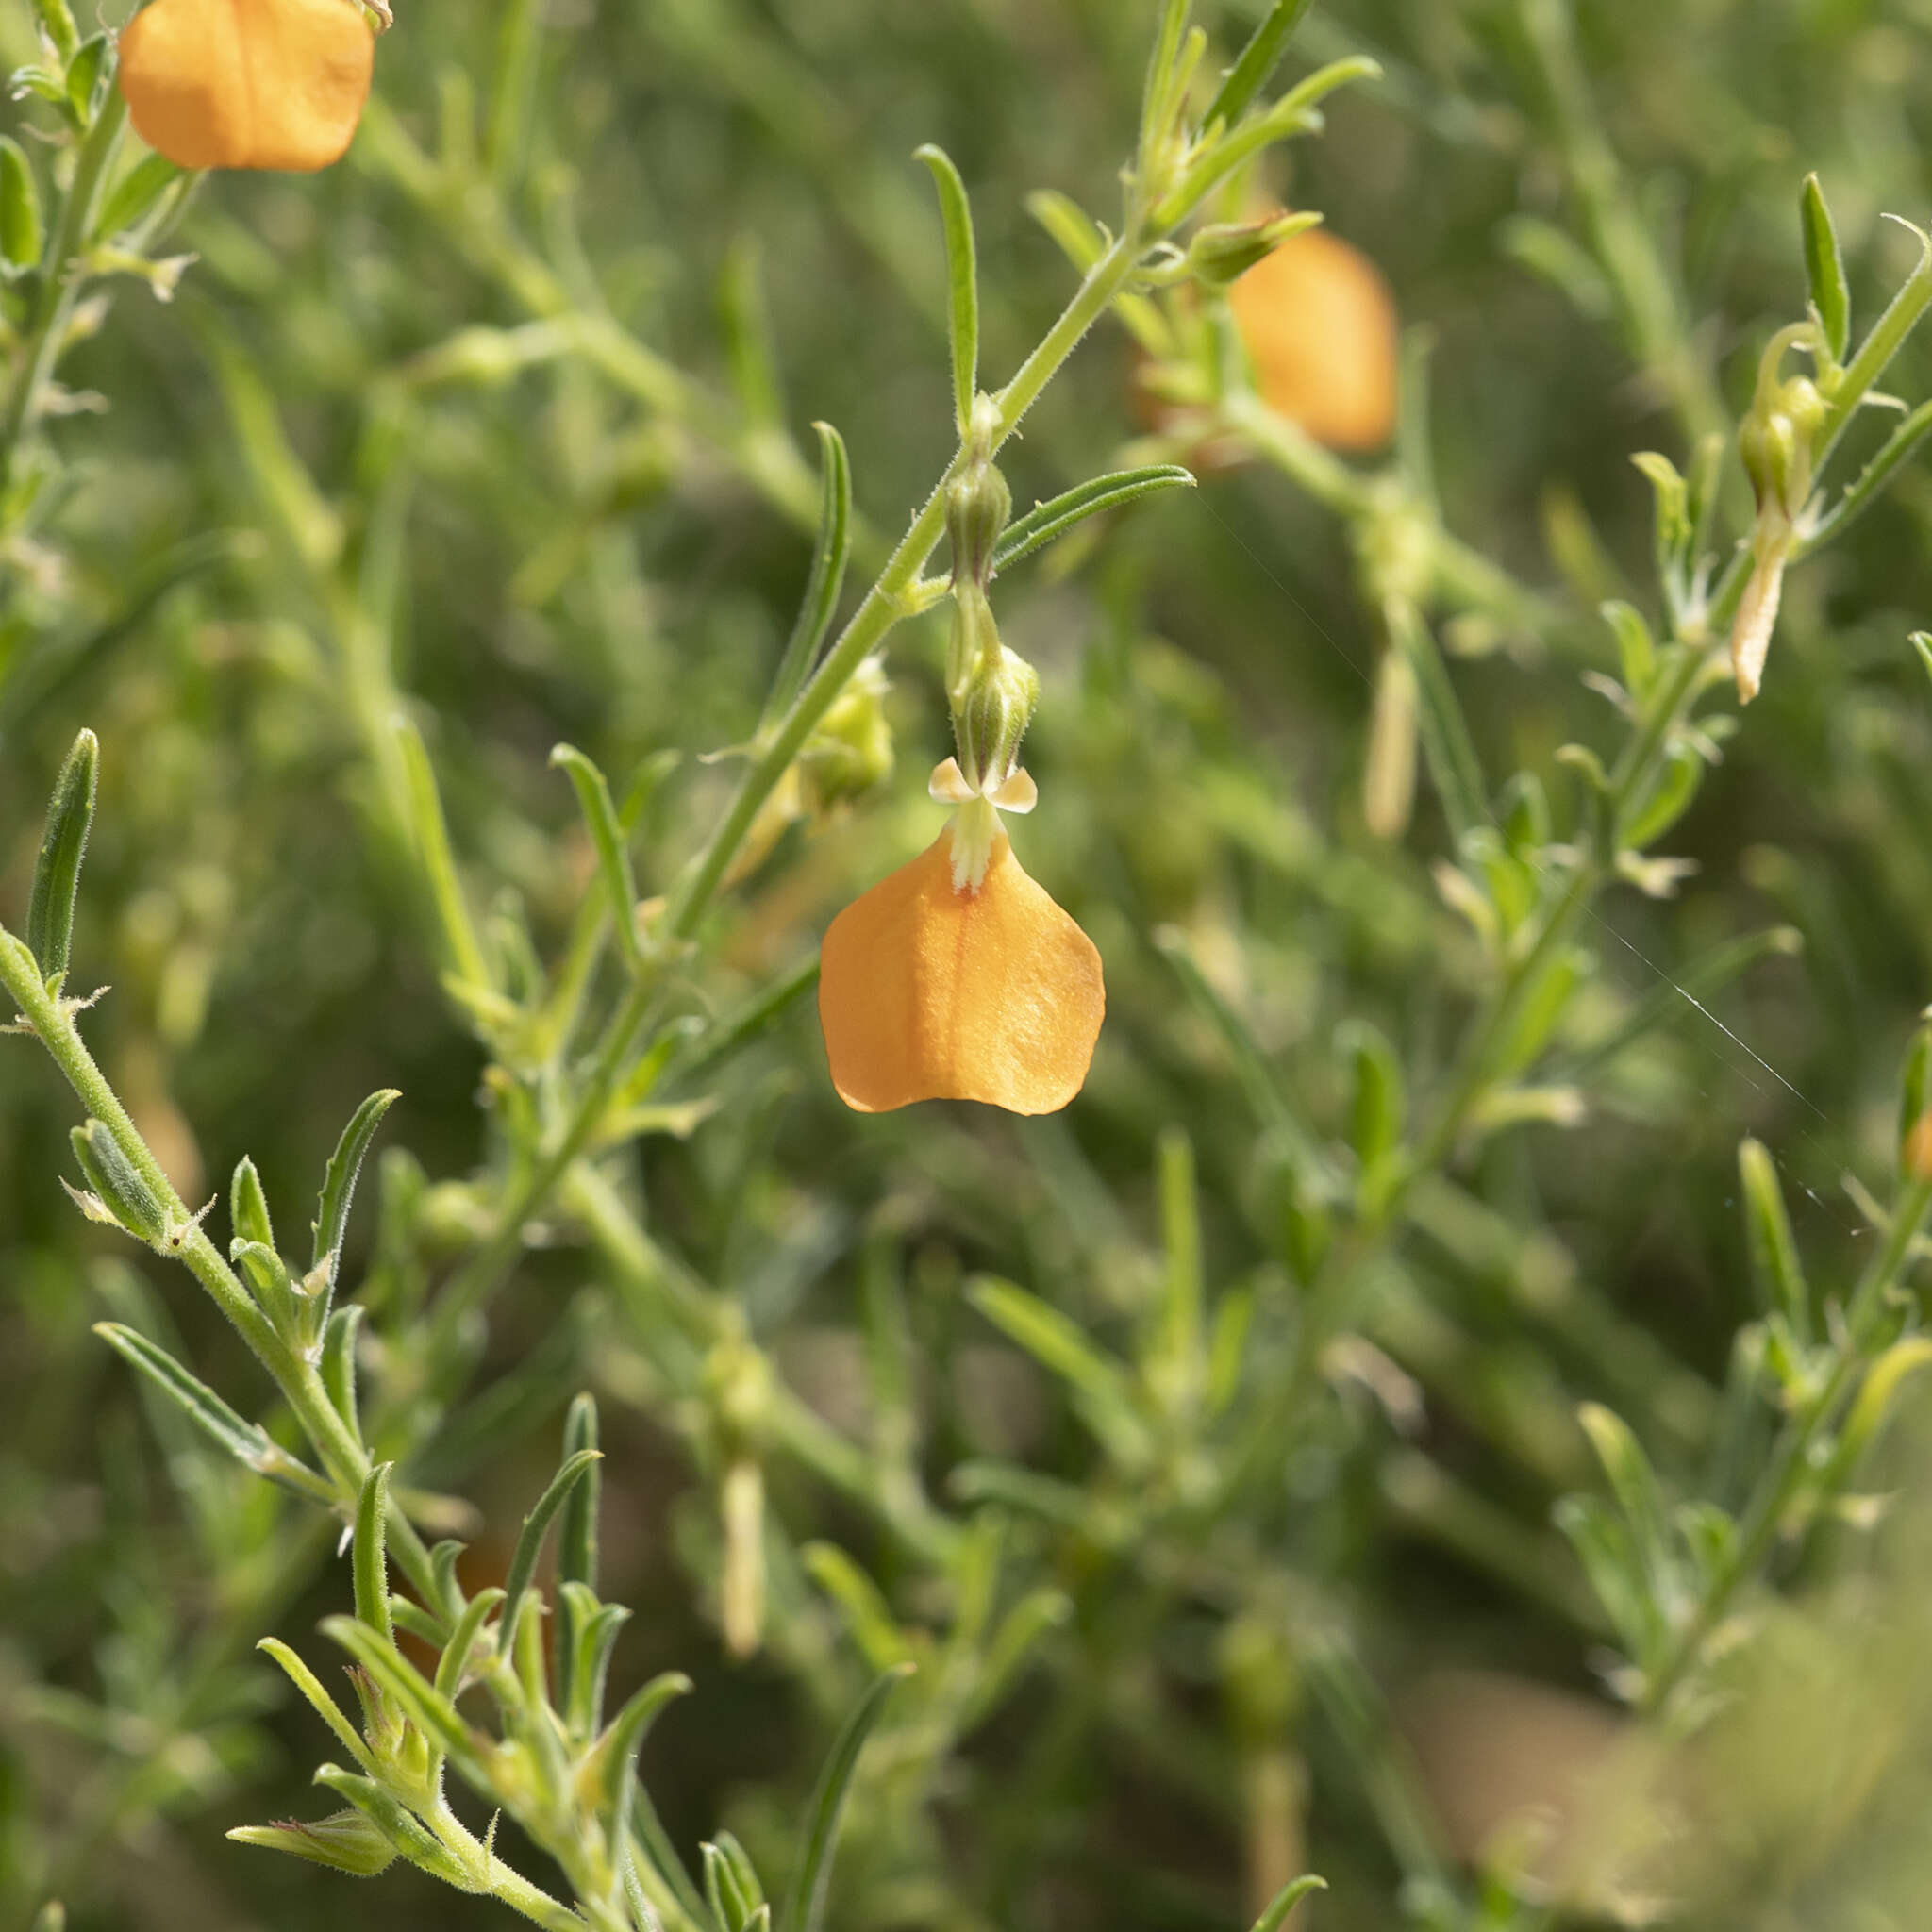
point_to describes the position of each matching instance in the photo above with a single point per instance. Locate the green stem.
(60, 279)
(298, 1379)
(885, 604)
(1791, 1460)
(1458, 573)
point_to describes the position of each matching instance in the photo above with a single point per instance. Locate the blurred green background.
(575, 564)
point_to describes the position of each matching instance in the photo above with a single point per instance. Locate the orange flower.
(1320, 325)
(248, 83)
(928, 990)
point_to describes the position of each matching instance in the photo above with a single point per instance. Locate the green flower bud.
(977, 505)
(997, 704)
(851, 752)
(1226, 251)
(116, 1186)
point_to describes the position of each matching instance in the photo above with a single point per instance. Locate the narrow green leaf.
(805, 1903)
(1155, 98)
(751, 1888)
(1869, 485)
(1634, 1484)
(134, 197)
(339, 1363)
(830, 555)
(338, 1186)
(21, 233)
(248, 1205)
(522, 1563)
(576, 1534)
(1179, 1347)
(1045, 523)
(455, 1661)
(63, 845)
(1824, 269)
(1259, 59)
(617, 1749)
(248, 1443)
(647, 1829)
(1775, 1262)
(867, 1614)
(368, 1559)
(430, 831)
(729, 1906)
(1285, 1901)
(1447, 747)
(1671, 793)
(1604, 1547)
(1636, 647)
(591, 1629)
(84, 74)
(614, 850)
(275, 1292)
(962, 276)
(1052, 1339)
(324, 1707)
(56, 22)
(1378, 1101)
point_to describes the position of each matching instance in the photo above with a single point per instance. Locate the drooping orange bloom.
(248, 83)
(933, 992)
(1320, 325)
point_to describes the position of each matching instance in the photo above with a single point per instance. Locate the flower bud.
(1224, 251)
(851, 752)
(977, 505)
(991, 718)
(117, 1186)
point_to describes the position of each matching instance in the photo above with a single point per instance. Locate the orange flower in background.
(1320, 326)
(933, 990)
(248, 83)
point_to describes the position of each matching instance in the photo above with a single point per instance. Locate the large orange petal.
(248, 83)
(1319, 323)
(926, 993)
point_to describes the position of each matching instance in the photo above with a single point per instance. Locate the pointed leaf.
(805, 1903)
(522, 1563)
(1824, 269)
(63, 845)
(1047, 521)
(1768, 1232)
(613, 851)
(1285, 1901)
(830, 555)
(962, 276)
(339, 1185)
(248, 1443)
(368, 1560)
(1256, 67)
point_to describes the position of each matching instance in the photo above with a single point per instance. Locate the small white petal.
(947, 785)
(1018, 794)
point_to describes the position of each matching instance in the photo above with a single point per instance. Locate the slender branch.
(61, 278)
